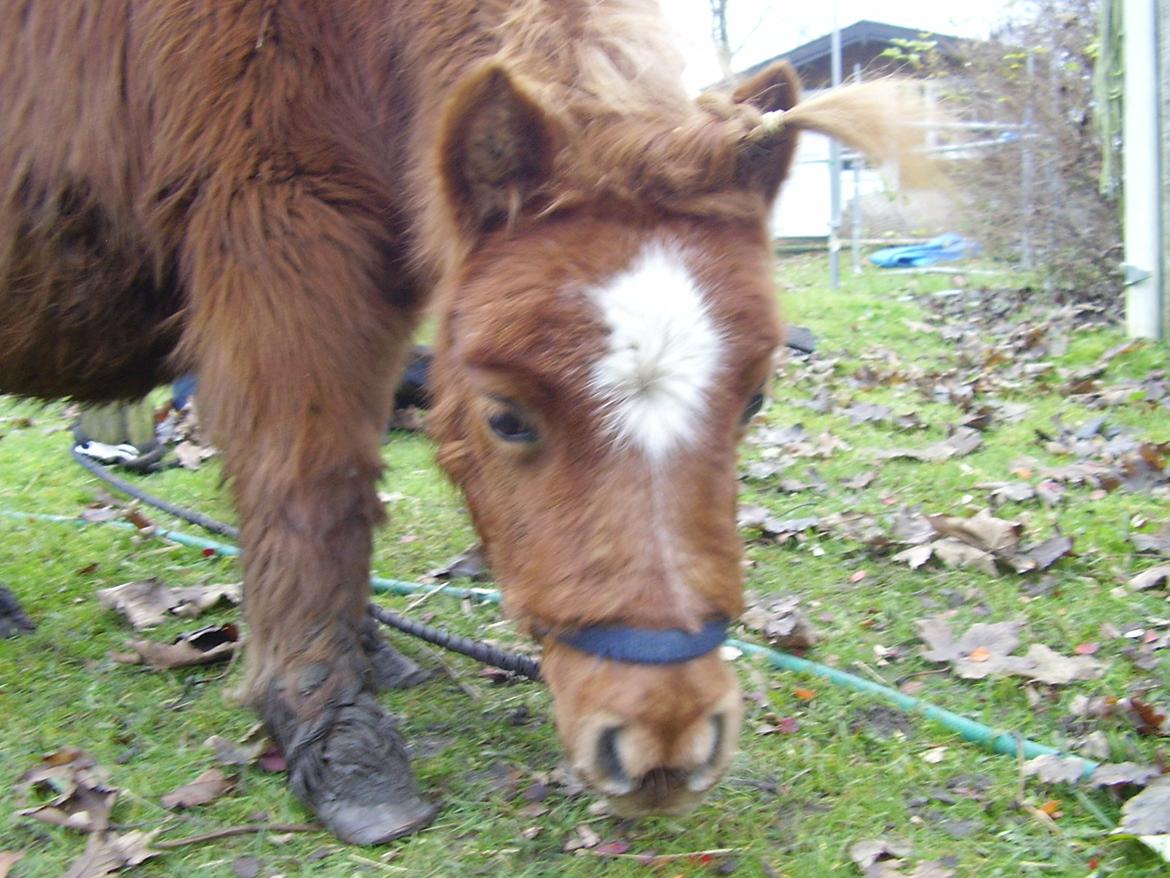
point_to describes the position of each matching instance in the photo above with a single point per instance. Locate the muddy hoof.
(389, 668)
(352, 771)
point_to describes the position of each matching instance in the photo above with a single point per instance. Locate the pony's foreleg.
(297, 345)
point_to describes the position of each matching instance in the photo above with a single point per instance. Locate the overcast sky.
(766, 28)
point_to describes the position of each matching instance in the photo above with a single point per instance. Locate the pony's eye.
(511, 426)
(753, 407)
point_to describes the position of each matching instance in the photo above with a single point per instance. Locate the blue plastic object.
(944, 248)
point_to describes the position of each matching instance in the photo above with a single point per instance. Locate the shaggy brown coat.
(267, 192)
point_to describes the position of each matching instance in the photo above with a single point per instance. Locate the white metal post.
(857, 160)
(835, 169)
(1028, 167)
(1144, 275)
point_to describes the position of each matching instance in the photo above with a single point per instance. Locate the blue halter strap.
(646, 646)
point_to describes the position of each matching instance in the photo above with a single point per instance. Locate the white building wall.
(802, 211)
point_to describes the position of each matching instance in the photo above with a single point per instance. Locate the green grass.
(792, 803)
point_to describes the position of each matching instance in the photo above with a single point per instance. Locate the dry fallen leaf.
(1051, 808)
(1148, 813)
(614, 848)
(983, 530)
(1048, 666)
(108, 853)
(7, 860)
(961, 443)
(915, 556)
(1149, 719)
(246, 751)
(911, 527)
(931, 869)
(954, 552)
(191, 455)
(865, 853)
(152, 602)
(83, 796)
(471, 564)
(985, 650)
(1110, 774)
(1042, 555)
(203, 647)
(1153, 577)
(1055, 769)
(581, 837)
(1008, 492)
(780, 619)
(995, 638)
(1159, 844)
(1157, 543)
(204, 790)
(884, 859)
(246, 867)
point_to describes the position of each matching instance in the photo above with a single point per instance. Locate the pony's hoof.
(389, 668)
(358, 823)
(351, 769)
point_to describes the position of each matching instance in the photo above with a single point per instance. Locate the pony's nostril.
(609, 761)
(708, 771)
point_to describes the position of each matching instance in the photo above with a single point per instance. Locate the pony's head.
(608, 330)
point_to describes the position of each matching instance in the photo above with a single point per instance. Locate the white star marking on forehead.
(663, 354)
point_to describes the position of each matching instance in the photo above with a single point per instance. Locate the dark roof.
(862, 43)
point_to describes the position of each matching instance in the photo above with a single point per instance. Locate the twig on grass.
(878, 678)
(653, 860)
(1043, 818)
(377, 864)
(451, 673)
(242, 829)
(425, 596)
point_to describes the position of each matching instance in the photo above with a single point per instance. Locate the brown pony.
(268, 191)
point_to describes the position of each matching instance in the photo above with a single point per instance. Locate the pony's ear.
(764, 160)
(496, 149)
(776, 87)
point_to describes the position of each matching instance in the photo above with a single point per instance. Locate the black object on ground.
(13, 619)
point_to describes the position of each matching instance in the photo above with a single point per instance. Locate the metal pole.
(856, 196)
(835, 171)
(1164, 169)
(1027, 170)
(1143, 221)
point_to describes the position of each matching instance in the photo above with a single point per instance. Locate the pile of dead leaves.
(82, 799)
(779, 619)
(982, 542)
(882, 858)
(76, 793)
(150, 602)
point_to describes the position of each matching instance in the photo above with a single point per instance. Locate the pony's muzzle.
(648, 767)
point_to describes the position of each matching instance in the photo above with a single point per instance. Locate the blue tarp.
(944, 248)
